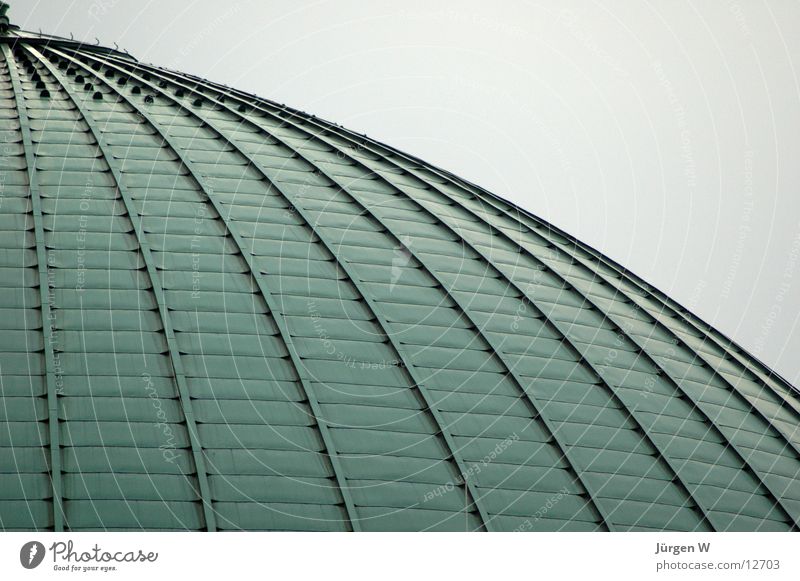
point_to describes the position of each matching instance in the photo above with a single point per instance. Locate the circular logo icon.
(31, 554)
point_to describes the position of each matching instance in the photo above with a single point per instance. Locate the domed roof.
(222, 313)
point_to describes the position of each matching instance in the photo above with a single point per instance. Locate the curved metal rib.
(766, 374)
(499, 204)
(535, 407)
(527, 396)
(268, 298)
(682, 393)
(158, 291)
(740, 454)
(606, 517)
(44, 297)
(454, 453)
(567, 342)
(769, 378)
(589, 302)
(660, 324)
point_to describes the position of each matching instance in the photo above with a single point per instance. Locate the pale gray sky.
(665, 134)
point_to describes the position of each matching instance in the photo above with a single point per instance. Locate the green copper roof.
(221, 313)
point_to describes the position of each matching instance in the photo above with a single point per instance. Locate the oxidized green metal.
(220, 313)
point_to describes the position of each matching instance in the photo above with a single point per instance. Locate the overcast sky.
(665, 134)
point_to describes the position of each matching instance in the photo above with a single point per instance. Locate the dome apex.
(4, 21)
